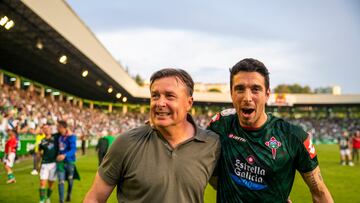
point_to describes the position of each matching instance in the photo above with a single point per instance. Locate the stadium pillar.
(193, 111)
(91, 105)
(1, 78)
(17, 83)
(125, 108)
(68, 99)
(52, 97)
(142, 109)
(80, 104)
(110, 108)
(61, 97)
(42, 92)
(31, 87)
(75, 101)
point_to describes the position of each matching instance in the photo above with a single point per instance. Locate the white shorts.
(9, 159)
(48, 172)
(344, 152)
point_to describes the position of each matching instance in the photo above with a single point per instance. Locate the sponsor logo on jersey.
(249, 175)
(237, 138)
(273, 144)
(310, 147)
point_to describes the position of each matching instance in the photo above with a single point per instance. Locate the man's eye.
(170, 96)
(239, 89)
(154, 96)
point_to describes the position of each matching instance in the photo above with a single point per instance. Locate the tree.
(282, 89)
(139, 80)
(293, 89)
(214, 90)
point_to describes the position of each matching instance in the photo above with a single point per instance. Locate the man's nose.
(161, 102)
(248, 96)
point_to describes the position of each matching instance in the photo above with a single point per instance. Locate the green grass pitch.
(342, 181)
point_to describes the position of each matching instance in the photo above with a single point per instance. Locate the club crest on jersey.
(273, 144)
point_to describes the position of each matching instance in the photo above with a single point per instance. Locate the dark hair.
(62, 123)
(13, 130)
(182, 75)
(250, 65)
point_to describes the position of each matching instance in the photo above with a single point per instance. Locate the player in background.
(10, 153)
(48, 151)
(36, 158)
(356, 145)
(345, 151)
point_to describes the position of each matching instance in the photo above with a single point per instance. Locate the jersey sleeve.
(306, 158)
(217, 125)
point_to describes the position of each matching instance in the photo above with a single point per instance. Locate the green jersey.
(49, 148)
(258, 165)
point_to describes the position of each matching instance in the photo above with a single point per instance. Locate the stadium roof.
(60, 32)
(46, 30)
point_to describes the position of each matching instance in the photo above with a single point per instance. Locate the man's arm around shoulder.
(99, 191)
(318, 189)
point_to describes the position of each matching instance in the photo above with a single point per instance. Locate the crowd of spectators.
(27, 111)
(327, 129)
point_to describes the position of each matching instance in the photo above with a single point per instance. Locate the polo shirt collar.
(199, 134)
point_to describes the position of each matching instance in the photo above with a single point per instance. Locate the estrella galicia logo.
(248, 174)
(247, 183)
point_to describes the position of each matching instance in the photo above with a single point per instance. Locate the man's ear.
(190, 102)
(267, 94)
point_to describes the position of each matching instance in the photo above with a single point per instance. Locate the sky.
(314, 43)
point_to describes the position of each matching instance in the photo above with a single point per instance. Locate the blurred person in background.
(356, 145)
(83, 138)
(9, 155)
(48, 150)
(65, 160)
(36, 156)
(102, 147)
(345, 148)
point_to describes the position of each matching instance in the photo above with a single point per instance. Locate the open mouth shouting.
(247, 112)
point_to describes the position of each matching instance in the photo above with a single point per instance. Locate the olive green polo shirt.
(146, 168)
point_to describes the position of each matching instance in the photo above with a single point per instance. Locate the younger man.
(260, 152)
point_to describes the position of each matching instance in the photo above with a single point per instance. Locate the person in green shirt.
(48, 151)
(260, 152)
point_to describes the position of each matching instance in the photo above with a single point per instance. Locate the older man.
(170, 160)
